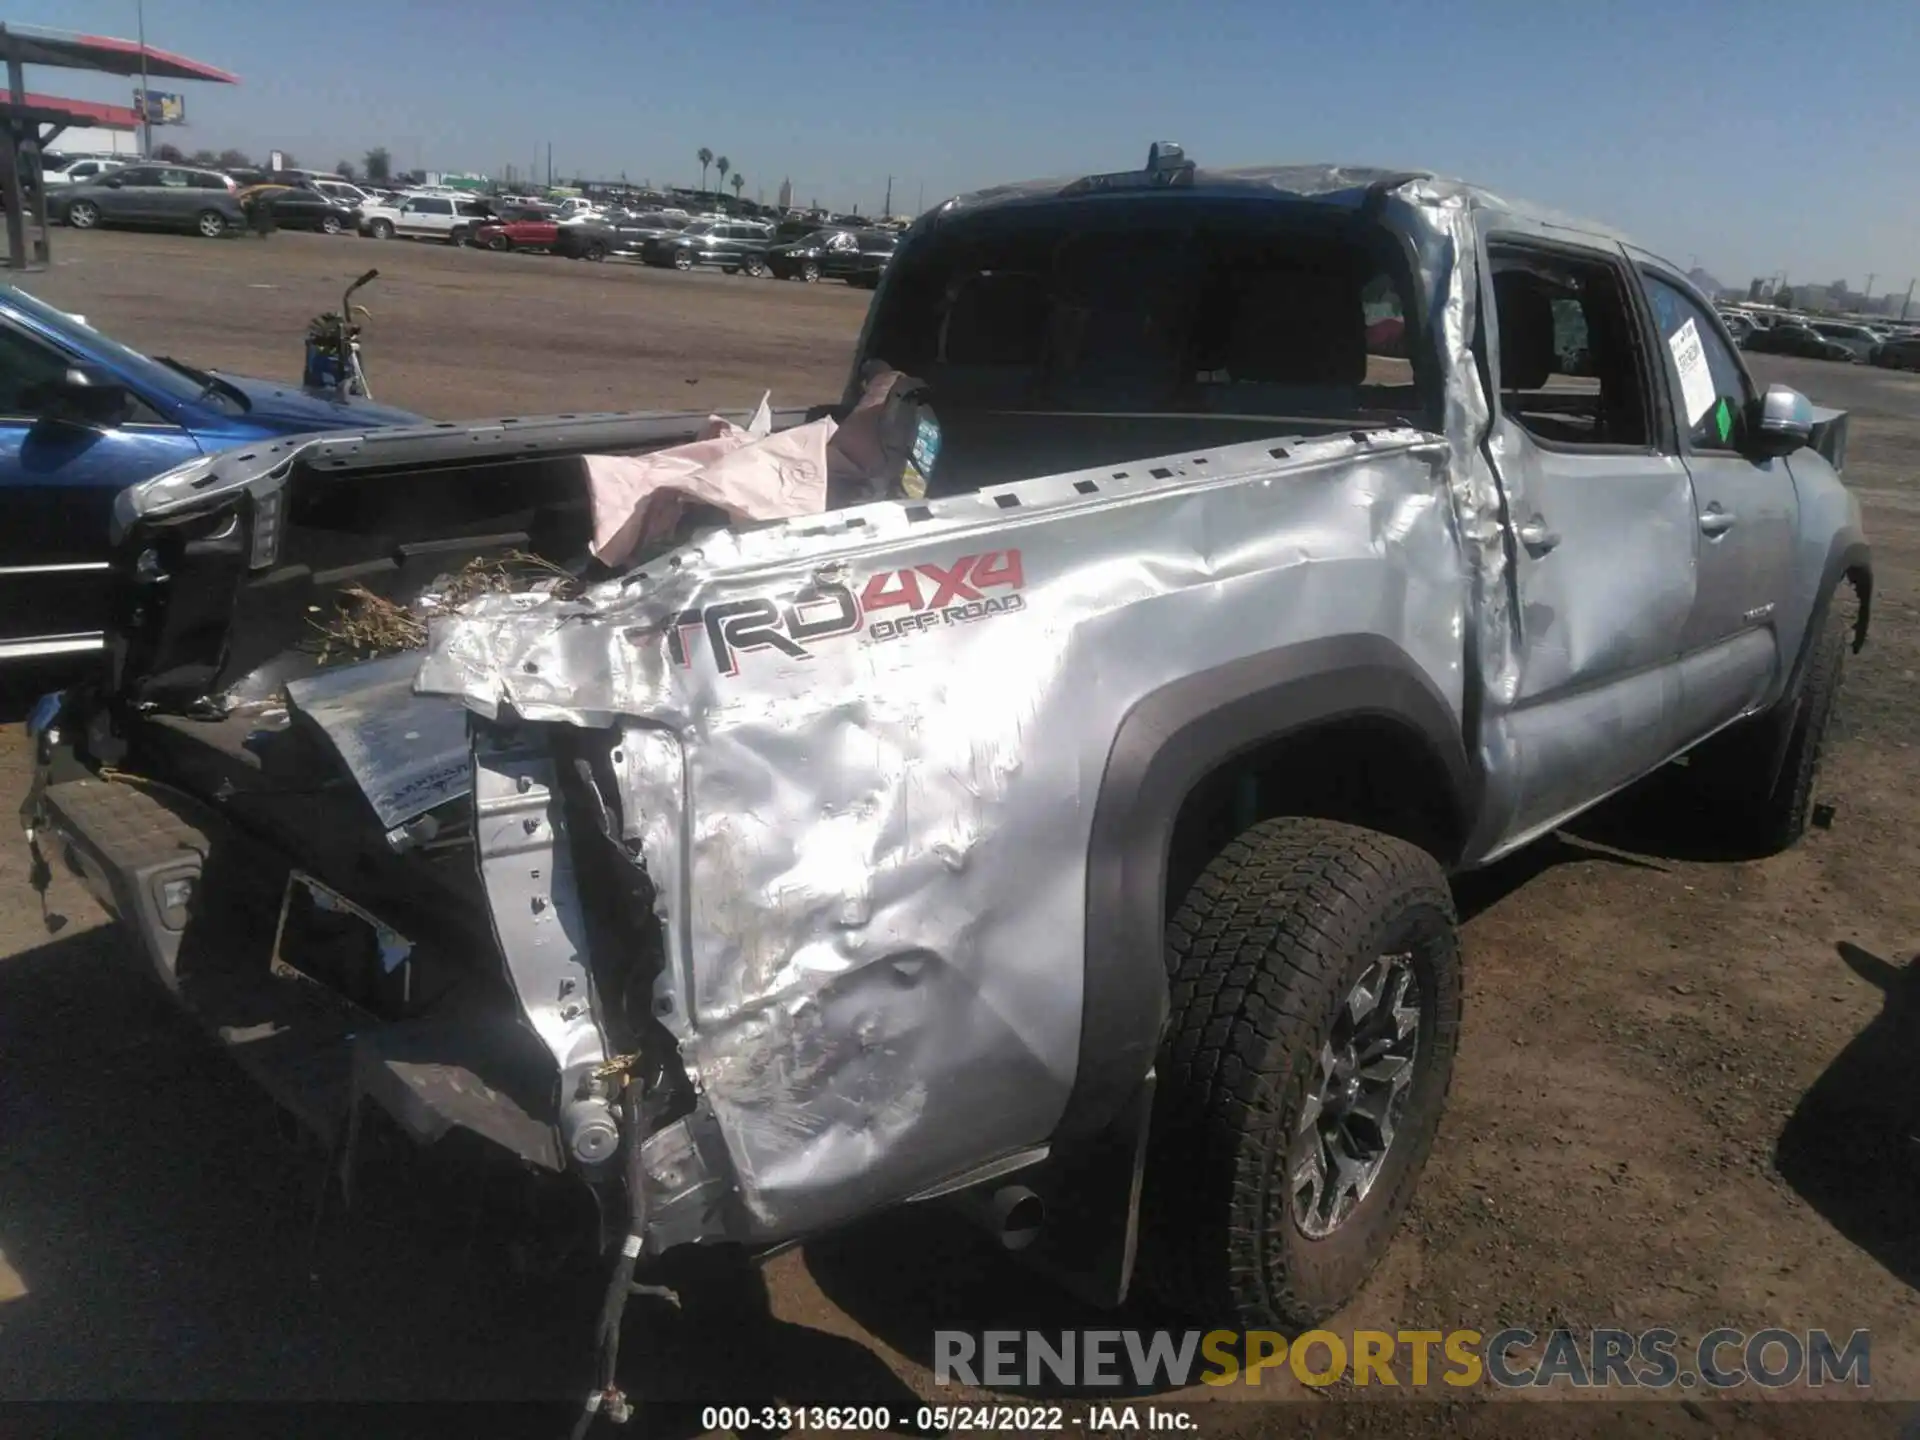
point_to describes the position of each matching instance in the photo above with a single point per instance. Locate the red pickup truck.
(521, 232)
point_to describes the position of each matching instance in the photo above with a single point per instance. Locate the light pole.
(146, 104)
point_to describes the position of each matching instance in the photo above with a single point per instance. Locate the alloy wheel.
(1363, 1075)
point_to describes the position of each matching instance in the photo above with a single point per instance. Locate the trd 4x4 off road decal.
(930, 595)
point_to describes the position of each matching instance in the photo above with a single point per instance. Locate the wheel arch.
(1197, 737)
(1849, 562)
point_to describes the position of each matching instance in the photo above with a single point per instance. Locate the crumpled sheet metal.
(870, 855)
(1440, 216)
(408, 753)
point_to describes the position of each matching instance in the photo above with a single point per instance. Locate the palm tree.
(723, 165)
(739, 184)
(706, 158)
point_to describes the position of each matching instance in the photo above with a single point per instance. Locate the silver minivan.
(172, 197)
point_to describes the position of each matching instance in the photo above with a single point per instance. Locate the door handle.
(1538, 537)
(1714, 521)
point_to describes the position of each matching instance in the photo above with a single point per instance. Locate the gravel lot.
(1682, 1096)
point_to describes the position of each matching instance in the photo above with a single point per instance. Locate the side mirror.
(85, 396)
(1780, 422)
(112, 182)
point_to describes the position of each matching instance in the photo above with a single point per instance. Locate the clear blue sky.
(1756, 136)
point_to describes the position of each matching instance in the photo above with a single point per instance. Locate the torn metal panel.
(854, 752)
(408, 753)
(521, 833)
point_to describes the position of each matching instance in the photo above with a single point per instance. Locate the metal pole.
(1868, 292)
(1906, 302)
(549, 164)
(10, 177)
(888, 208)
(146, 105)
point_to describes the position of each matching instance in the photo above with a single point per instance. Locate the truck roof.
(1342, 185)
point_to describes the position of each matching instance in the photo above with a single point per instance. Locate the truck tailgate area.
(203, 902)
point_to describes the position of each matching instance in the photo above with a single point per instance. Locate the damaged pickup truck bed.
(1072, 841)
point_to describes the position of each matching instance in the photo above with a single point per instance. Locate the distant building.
(98, 142)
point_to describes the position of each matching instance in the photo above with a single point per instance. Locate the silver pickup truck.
(1070, 842)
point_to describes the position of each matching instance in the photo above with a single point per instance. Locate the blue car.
(81, 418)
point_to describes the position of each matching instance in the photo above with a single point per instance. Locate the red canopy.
(106, 54)
(91, 112)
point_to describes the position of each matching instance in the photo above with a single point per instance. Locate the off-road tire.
(1262, 953)
(1730, 773)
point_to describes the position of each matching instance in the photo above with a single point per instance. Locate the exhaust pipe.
(1012, 1214)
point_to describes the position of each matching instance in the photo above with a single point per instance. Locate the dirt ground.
(1682, 1097)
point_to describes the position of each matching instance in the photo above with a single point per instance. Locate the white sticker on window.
(1696, 380)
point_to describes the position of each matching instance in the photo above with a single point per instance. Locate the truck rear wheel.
(1733, 774)
(1315, 974)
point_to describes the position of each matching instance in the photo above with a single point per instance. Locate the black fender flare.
(1167, 744)
(1847, 557)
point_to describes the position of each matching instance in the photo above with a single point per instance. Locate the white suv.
(80, 172)
(426, 217)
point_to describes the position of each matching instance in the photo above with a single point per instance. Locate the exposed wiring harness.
(607, 1394)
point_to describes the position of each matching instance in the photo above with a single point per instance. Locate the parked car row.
(211, 203)
(681, 242)
(1894, 345)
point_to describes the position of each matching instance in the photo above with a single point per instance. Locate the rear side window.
(1181, 307)
(209, 182)
(1570, 367)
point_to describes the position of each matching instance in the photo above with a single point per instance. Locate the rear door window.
(1572, 363)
